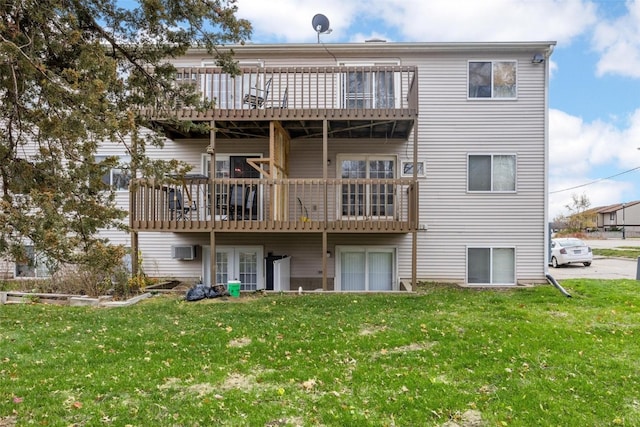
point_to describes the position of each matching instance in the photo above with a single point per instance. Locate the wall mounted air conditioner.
(186, 253)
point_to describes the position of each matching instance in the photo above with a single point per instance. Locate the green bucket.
(234, 288)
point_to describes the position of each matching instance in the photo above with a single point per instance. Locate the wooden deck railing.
(389, 91)
(349, 205)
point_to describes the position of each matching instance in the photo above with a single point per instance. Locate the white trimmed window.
(495, 266)
(32, 266)
(406, 168)
(492, 79)
(491, 172)
(117, 178)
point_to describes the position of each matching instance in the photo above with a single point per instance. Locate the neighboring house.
(367, 166)
(607, 217)
(619, 216)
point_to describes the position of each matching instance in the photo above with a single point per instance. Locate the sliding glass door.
(366, 88)
(366, 269)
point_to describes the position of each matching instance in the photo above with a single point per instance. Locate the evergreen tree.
(74, 73)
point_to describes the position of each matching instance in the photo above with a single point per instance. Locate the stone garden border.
(15, 297)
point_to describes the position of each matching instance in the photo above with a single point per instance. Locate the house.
(619, 216)
(607, 216)
(352, 167)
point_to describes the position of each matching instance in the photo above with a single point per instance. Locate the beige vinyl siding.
(451, 127)
(171, 149)
(155, 251)
(631, 215)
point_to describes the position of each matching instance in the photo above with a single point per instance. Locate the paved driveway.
(601, 268)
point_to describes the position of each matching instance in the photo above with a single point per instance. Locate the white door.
(231, 166)
(242, 263)
(366, 269)
(373, 200)
(364, 88)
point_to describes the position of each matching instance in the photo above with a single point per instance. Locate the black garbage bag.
(218, 291)
(197, 292)
(201, 291)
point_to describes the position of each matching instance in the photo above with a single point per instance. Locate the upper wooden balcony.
(363, 101)
(274, 205)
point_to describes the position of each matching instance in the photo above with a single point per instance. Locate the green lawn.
(621, 251)
(526, 357)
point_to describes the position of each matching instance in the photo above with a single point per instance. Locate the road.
(601, 268)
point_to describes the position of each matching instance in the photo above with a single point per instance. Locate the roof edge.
(391, 46)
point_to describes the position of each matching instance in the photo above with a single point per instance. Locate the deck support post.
(324, 261)
(211, 149)
(414, 259)
(325, 173)
(134, 254)
(132, 204)
(416, 210)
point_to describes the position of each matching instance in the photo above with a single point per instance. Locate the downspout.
(416, 194)
(545, 227)
(555, 283)
(545, 222)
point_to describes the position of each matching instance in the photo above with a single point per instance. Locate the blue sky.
(594, 98)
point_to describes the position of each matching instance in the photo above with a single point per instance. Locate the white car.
(570, 250)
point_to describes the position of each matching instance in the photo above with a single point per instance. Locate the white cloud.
(630, 146)
(618, 43)
(602, 193)
(419, 20)
(289, 21)
(553, 68)
(568, 150)
(489, 20)
(578, 148)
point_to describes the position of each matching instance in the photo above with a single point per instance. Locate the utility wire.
(593, 182)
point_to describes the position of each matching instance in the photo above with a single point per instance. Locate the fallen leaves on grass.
(310, 384)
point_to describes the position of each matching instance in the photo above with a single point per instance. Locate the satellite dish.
(320, 23)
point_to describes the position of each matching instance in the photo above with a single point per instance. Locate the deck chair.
(250, 208)
(242, 202)
(256, 97)
(235, 201)
(285, 98)
(177, 209)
